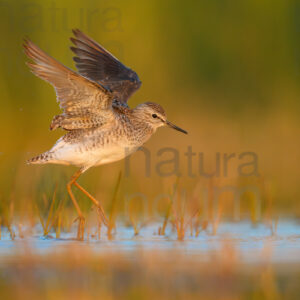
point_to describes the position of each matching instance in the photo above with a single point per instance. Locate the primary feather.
(97, 64)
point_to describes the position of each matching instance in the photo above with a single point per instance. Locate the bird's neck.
(143, 130)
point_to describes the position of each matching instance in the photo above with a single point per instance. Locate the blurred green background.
(226, 71)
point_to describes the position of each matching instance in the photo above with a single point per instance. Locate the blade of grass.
(162, 231)
(111, 223)
(41, 218)
(49, 219)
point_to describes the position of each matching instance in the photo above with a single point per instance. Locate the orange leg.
(99, 207)
(80, 232)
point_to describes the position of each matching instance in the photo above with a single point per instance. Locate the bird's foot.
(80, 230)
(101, 215)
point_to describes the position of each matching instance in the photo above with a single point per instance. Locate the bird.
(100, 127)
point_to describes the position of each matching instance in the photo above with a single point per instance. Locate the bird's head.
(155, 115)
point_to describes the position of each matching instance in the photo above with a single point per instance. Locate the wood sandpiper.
(101, 128)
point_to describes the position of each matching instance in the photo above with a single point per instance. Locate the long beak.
(175, 127)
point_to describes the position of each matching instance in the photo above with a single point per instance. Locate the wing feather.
(80, 98)
(97, 64)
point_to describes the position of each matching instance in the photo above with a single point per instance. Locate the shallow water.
(249, 241)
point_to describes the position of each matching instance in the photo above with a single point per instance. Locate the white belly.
(111, 154)
(78, 155)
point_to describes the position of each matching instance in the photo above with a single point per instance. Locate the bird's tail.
(41, 159)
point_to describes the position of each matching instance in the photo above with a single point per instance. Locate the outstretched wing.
(84, 102)
(98, 65)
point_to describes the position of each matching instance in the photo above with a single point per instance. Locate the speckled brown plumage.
(95, 114)
(101, 128)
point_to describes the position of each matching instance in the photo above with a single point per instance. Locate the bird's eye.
(154, 116)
